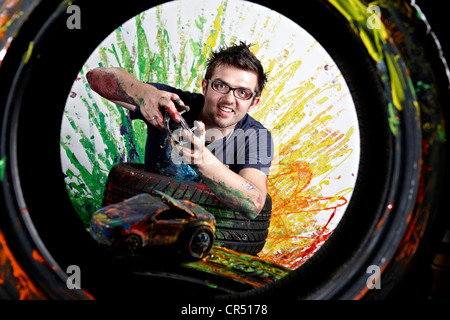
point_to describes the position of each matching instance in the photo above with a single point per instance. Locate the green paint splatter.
(2, 167)
(86, 188)
(143, 52)
(441, 132)
(85, 182)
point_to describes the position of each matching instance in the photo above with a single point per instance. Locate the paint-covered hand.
(245, 192)
(153, 102)
(192, 149)
(120, 87)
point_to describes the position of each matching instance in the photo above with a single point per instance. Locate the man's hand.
(246, 191)
(120, 87)
(153, 101)
(191, 147)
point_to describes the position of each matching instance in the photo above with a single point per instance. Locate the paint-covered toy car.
(147, 220)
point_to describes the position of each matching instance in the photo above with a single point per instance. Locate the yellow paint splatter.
(306, 150)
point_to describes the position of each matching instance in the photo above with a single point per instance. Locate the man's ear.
(204, 86)
(254, 103)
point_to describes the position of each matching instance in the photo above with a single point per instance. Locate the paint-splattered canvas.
(306, 105)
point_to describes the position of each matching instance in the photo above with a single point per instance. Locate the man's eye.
(244, 93)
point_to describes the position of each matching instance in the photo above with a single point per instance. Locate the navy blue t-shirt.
(249, 146)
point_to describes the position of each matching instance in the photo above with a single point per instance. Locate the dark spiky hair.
(238, 56)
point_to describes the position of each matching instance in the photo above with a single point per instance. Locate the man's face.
(225, 110)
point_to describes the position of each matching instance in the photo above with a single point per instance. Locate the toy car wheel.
(131, 244)
(199, 242)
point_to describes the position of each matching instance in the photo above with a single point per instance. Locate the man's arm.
(120, 87)
(246, 191)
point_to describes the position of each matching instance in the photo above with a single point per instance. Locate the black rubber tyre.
(395, 213)
(233, 230)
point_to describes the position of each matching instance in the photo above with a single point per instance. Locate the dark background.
(437, 16)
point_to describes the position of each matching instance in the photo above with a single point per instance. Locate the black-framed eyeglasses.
(240, 93)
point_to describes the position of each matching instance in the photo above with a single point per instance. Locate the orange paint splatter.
(309, 150)
(38, 257)
(7, 16)
(12, 272)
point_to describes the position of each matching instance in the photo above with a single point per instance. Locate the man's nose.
(229, 97)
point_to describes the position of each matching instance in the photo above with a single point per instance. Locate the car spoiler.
(172, 202)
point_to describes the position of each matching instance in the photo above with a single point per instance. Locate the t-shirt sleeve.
(254, 149)
(137, 114)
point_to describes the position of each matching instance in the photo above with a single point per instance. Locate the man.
(231, 152)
